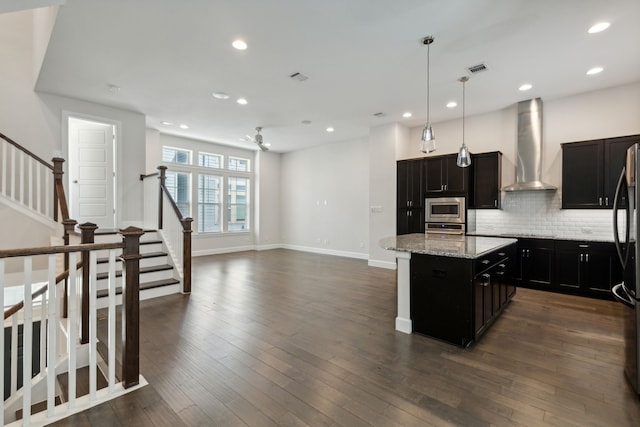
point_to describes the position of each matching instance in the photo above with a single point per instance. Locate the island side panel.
(442, 298)
(403, 320)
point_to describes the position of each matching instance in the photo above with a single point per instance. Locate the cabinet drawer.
(488, 260)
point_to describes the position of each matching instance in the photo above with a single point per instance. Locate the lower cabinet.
(457, 299)
(535, 259)
(589, 268)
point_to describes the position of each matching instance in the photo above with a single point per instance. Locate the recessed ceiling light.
(220, 95)
(595, 70)
(166, 123)
(407, 115)
(242, 101)
(452, 104)
(184, 127)
(600, 26)
(239, 44)
(525, 86)
(330, 129)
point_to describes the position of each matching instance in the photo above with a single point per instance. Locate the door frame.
(117, 160)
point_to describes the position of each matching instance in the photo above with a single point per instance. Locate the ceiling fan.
(258, 139)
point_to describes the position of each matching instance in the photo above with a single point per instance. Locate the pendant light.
(428, 140)
(464, 158)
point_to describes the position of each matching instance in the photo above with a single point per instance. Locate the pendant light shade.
(428, 140)
(464, 157)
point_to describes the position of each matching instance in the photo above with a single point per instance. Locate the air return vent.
(298, 77)
(378, 114)
(475, 69)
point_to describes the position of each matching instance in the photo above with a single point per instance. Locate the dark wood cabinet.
(410, 220)
(588, 267)
(535, 258)
(443, 175)
(486, 169)
(590, 171)
(410, 197)
(452, 299)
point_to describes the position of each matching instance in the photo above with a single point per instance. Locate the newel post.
(163, 179)
(87, 231)
(69, 225)
(57, 177)
(131, 306)
(186, 255)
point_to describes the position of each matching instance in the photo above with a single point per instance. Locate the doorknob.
(75, 181)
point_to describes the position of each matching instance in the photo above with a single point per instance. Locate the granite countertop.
(445, 245)
(562, 236)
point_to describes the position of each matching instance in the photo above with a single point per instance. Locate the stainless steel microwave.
(445, 209)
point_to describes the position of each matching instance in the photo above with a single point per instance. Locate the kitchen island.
(451, 287)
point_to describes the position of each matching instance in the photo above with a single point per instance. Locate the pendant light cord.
(428, 51)
(463, 104)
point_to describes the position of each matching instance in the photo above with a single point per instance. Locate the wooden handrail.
(175, 207)
(49, 250)
(143, 176)
(62, 200)
(21, 148)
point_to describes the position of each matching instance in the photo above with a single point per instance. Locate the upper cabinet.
(590, 171)
(443, 175)
(410, 197)
(410, 192)
(486, 169)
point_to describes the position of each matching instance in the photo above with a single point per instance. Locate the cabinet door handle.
(485, 261)
(528, 253)
(586, 257)
(445, 186)
(581, 257)
(495, 203)
(606, 201)
(600, 201)
(486, 279)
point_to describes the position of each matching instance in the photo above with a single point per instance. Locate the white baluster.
(39, 187)
(27, 342)
(30, 181)
(72, 326)
(21, 177)
(12, 171)
(48, 193)
(93, 319)
(52, 328)
(112, 319)
(5, 168)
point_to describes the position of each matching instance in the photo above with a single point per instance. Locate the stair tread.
(147, 255)
(150, 269)
(143, 286)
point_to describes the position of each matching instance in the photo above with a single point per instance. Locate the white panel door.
(91, 172)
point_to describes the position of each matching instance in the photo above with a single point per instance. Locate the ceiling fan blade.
(263, 148)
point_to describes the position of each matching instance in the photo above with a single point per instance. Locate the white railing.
(172, 235)
(60, 348)
(25, 178)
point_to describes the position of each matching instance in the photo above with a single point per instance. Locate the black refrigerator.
(628, 292)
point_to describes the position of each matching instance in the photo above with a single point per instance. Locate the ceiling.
(362, 57)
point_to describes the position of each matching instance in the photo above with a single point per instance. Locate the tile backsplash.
(539, 213)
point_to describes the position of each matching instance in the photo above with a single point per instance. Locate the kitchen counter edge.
(470, 247)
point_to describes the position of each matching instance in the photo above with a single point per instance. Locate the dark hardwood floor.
(285, 338)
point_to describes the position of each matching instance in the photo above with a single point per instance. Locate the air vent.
(475, 69)
(298, 77)
(378, 115)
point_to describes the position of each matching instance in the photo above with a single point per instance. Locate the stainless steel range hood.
(529, 148)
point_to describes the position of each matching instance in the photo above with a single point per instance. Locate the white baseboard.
(218, 251)
(268, 247)
(383, 264)
(323, 251)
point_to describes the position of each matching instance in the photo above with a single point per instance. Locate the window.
(176, 155)
(209, 203)
(237, 164)
(207, 160)
(237, 203)
(178, 185)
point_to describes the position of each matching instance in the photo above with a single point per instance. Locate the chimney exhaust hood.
(529, 148)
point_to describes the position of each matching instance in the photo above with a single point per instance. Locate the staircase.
(158, 277)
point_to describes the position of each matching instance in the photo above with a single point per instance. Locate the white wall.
(384, 142)
(324, 193)
(267, 200)
(36, 120)
(599, 114)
